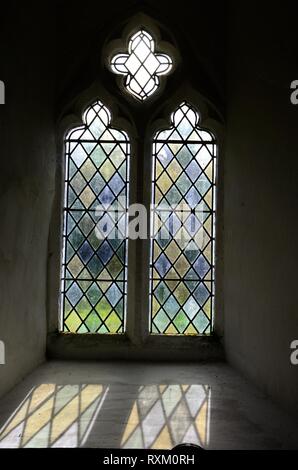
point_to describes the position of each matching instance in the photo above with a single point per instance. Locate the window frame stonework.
(141, 121)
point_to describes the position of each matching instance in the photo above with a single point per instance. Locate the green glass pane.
(71, 196)
(184, 156)
(103, 308)
(183, 183)
(93, 322)
(94, 294)
(119, 308)
(161, 292)
(83, 308)
(114, 266)
(181, 322)
(161, 321)
(78, 183)
(95, 266)
(76, 238)
(173, 196)
(86, 224)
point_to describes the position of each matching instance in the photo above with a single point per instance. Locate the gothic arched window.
(181, 272)
(161, 283)
(94, 269)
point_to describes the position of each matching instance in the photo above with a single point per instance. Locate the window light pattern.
(142, 66)
(54, 416)
(182, 227)
(157, 416)
(164, 416)
(94, 269)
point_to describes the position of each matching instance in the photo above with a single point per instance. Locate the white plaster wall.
(261, 198)
(26, 188)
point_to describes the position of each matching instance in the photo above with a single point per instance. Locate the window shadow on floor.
(102, 415)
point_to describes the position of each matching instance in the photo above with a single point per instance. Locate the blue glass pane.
(171, 306)
(193, 170)
(193, 197)
(116, 184)
(165, 156)
(74, 294)
(85, 252)
(201, 266)
(106, 197)
(162, 265)
(113, 294)
(105, 252)
(201, 294)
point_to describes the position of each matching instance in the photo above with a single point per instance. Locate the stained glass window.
(94, 269)
(182, 221)
(142, 66)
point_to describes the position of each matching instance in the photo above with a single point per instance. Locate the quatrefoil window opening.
(142, 66)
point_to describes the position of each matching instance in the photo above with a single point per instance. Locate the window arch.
(182, 221)
(94, 266)
(162, 285)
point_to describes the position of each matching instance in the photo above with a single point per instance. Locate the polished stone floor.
(141, 405)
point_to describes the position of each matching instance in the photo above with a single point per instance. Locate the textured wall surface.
(261, 200)
(26, 190)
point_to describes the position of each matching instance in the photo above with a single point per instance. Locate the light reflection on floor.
(54, 416)
(160, 416)
(166, 415)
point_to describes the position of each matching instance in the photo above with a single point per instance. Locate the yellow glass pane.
(174, 169)
(107, 170)
(75, 266)
(88, 169)
(87, 197)
(164, 183)
(172, 252)
(181, 293)
(182, 265)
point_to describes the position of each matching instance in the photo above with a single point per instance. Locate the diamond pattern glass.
(182, 227)
(94, 264)
(142, 66)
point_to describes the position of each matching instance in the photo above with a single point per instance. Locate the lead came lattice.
(94, 269)
(142, 65)
(182, 220)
